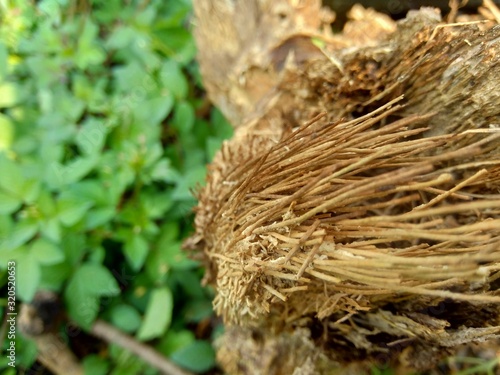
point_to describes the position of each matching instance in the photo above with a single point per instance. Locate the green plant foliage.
(104, 134)
(158, 314)
(94, 365)
(198, 356)
(86, 285)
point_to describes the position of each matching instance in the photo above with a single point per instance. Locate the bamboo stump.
(354, 218)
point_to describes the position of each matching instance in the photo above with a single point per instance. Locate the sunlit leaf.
(158, 314)
(8, 203)
(46, 252)
(10, 94)
(70, 208)
(136, 250)
(4, 55)
(6, 132)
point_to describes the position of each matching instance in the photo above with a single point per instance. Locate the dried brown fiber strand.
(357, 185)
(354, 217)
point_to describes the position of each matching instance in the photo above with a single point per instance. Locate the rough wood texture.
(235, 50)
(358, 204)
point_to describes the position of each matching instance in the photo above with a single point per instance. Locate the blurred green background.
(104, 132)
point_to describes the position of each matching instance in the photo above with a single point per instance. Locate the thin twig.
(112, 335)
(490, 5)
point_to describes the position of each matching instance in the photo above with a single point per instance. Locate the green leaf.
(146, 17)
(30, 190)
(176, 43)
(46, 252)
(92, 136)
(52, 9)
(9, 94)
(184, 117)
(153, 111)
(198, 356)
(74, 246)
(55, 276)
(95, 365)
(71, 209)
(121, 37)
(156, 204)
(22, 233)
(59, 175)
(27, 277)
(213, 145)
(182, 209)
(44, 71)
(7, 371)
(223, 129)
(152, 154)
(165, 255)
(174, 14)
(6, 132)
(131, 78)
(91, 190)
(125, 363)
(169, 231)
(174, 256)
(158, 314)
(46, 204)
(194, 162)
(163, 171)
(4, 55)
(136, 250)
(13, 179)
(173, 79)
(51, 229)
(175, 340)
(8, 203)
(82, 87)
(83, 309)
(126, 318)
(99, 216)
(193, 178)
(88, 283)
(95, 280)
(25, 357)
(97, 255)
(89, 52)
(58, 103)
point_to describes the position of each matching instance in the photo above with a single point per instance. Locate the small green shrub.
(104, 132)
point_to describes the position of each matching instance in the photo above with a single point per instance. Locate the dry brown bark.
(355, 215)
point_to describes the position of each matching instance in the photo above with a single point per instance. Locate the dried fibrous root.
(343, 222)
(367, 210)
